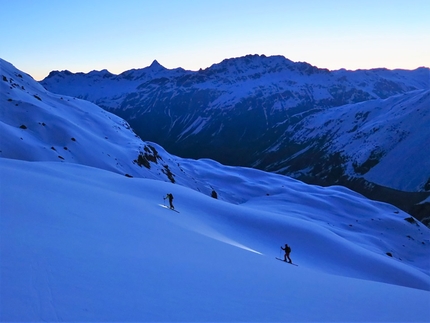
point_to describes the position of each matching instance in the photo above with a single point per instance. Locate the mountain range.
(86, 234)
(364, 129)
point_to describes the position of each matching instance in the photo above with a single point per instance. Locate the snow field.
(83, 244)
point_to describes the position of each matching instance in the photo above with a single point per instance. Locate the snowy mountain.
(85, 234)
(37, 125)
(384, 140)
(363, 129)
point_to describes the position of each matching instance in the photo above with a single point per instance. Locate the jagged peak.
(156, 65)
(137, 73)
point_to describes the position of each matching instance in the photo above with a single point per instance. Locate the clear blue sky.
(39, 36)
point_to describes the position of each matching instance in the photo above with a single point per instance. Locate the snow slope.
(90, 245)
(384, 140)
(82, 242)
(37, 125)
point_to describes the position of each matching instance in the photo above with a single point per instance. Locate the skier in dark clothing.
(287, 250)
(170, 197)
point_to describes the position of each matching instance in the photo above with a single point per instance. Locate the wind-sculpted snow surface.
(338, 210)
(82, 242)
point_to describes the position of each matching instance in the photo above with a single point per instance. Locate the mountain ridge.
(247, 111)
(261, 63)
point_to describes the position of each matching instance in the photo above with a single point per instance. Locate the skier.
(287, 250)
(170, 197)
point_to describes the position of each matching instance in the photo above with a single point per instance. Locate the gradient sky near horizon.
(38, 36)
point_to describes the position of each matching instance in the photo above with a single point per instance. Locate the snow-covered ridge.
(37, 125)
(234, 78)
(104, 84)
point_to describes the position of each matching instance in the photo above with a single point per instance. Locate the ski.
(169, 208)
(286, 261)
(166, 207)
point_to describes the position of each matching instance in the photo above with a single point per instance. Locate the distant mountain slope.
(286, 83)
(385, 141)
(364, 129)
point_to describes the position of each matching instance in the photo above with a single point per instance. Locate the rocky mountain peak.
(156, 66)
